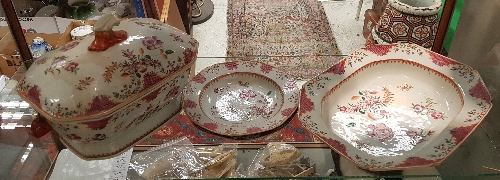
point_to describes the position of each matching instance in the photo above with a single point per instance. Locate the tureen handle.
(105, 37)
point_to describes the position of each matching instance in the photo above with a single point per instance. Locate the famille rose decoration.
(107, 91)
(240, 98)
(408, 21)
(390, 107)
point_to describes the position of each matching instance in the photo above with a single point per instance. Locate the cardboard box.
(9, 62)
(4, 31)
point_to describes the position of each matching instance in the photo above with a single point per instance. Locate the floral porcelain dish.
(389, 107)
(107, 91)
(240, 98)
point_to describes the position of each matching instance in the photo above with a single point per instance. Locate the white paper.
(70, 166)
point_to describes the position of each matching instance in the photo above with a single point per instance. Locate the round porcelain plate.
(240, 98)
(390, 107)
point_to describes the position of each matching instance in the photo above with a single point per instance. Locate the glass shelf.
(26, 157)
(472, 160)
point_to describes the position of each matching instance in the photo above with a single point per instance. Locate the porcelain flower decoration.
(152, 42)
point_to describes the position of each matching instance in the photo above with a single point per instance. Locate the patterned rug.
(282, 28)
(180, 126)
(290, 131)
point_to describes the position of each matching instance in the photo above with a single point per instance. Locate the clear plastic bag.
(278, 160)
(175, 160)
(218, 161)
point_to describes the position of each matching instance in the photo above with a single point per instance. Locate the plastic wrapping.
(175, 160)
(278, 160)
(218, 161)
(179, 159)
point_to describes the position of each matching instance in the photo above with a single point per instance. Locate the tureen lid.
(107, 69)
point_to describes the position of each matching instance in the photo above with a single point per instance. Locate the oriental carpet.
(273, 28)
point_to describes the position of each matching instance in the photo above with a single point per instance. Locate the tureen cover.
(72, 83)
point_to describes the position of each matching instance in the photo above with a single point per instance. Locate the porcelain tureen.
(107, 91)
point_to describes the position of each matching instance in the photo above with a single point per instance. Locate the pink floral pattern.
(461, 133)
(419, 136)
(441, 60)
(380, 132)
(338, 146)
(254, 130)
(231, 65)
(137, 70)
(416, 161)
(247, 95)
(189, 104)
(190, 55)
(151, 96)
(261, 108)
(379, 50)
(53, 66)
(69, 46)
(266, 68)
(337, 68)
(72, 67)
(445, 138)
(152, 42)
(98, 125)
(437, 115)
(426, 108)
(417, 108)
(287, 112)
(199, 78)
(290, 84)
(150, 79)
(368, 102)
(172, 93)
(257, 99)
(33, 95)
(211, 126)
(100, 104)
(480, 91)
(306, 104)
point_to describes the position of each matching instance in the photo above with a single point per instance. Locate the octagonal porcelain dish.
(389, 107)
(240, 98)
(107, 91)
